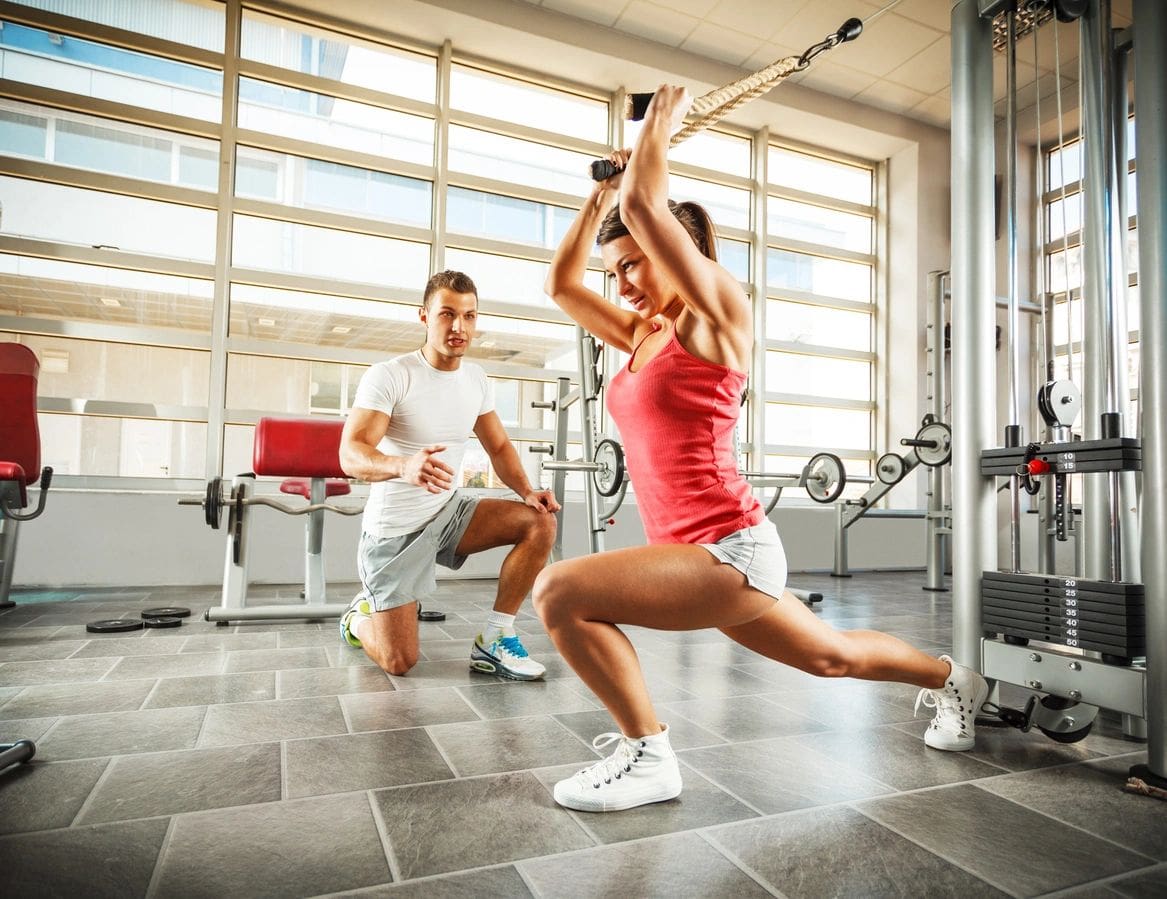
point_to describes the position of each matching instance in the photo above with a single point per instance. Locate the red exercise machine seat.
(20, 442)
(303, 487)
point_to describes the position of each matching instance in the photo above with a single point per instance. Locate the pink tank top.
(676, 417)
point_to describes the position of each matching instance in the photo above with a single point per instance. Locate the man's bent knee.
(396, 661)
(541, 529)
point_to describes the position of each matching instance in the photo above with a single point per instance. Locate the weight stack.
(1100, 616)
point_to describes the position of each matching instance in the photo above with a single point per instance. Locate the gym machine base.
(307, 453)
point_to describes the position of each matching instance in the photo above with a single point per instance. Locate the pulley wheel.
(890, 468)
(825, 477)
(1064, 720)
(940, 436)
(608, 478)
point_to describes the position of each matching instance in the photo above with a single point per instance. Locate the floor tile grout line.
(152, 885)
(442, 752)
(1104, 881)
(284, 791)
(144, 704)
(383, 835)
(728, 792)
(101, 779)
(738, 863)
(1069, 824)
(983, 879)
(202, 727)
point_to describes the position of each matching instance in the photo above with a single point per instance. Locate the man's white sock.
(498, 623)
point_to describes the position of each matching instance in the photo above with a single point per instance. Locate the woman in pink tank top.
(713, 559)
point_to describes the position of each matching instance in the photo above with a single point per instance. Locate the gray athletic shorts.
(399, 570)
(757, 553)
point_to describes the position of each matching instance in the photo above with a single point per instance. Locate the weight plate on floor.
(163, 621)
(114, 625)
(429, 614)
(166, 612)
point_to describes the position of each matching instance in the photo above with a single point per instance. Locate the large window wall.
(1062, 218)
(212, 214)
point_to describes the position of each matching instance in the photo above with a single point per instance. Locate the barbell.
(606, 466)
(215, 498)
(823, 478)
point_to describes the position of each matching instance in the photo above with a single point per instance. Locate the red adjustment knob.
(1038, 466)
(611, 521)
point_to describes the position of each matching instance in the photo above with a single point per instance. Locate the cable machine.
(1098, 638)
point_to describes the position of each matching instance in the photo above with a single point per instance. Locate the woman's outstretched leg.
(789, 632)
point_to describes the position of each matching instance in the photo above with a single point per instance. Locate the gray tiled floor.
(272, 760)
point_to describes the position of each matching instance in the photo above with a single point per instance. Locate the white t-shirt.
(425, 406)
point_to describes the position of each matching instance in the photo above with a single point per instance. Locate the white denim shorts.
(757, 553)
(398, 570)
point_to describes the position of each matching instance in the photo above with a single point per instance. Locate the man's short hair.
(458, 282)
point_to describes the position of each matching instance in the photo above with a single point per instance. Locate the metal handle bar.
(786, 476)
(568, 465)
(15, 514)
(287, 510)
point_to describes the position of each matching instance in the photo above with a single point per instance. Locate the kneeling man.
(406, 435)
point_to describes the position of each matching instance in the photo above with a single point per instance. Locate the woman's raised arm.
(565, 278)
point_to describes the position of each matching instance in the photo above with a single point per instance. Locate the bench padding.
(297, 448)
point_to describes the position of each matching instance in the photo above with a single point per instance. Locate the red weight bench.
(20, 459)
(20, 453)
(306, 452)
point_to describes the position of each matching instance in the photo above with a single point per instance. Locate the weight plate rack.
(1100, 616)
(1109, 454)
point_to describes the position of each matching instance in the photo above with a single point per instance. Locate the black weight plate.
(166, 612)
(608, 479)
(431, 615)
(163, 621)
(213, 503)
(114, 625)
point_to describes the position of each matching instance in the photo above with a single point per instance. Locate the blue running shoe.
(506, 657)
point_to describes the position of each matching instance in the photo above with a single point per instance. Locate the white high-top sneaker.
(642, 770)
(956, 703)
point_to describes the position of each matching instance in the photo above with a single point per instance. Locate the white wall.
(147, 539)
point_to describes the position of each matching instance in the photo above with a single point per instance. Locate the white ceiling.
(901, 63)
